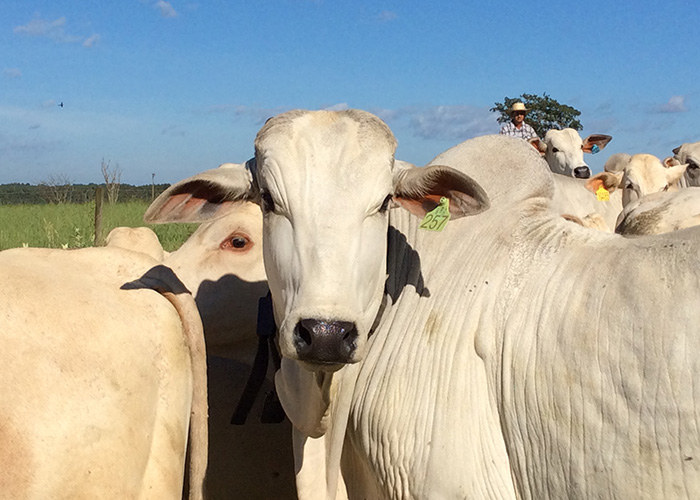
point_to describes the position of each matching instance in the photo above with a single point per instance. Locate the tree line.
(30, 194)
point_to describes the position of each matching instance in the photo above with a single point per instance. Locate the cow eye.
(236, 242)
(555, 150)
(693, 165)
(385, 204)
(268, 204)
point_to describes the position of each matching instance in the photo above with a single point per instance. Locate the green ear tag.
(437, 218)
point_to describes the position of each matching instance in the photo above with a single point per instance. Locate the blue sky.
(173, 88)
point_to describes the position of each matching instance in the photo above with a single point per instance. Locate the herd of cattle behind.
(525, 351)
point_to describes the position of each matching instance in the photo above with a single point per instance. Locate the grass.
(71, 225)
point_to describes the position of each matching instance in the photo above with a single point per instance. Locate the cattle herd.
(541, 346)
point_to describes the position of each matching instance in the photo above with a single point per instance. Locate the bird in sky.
(61, 105)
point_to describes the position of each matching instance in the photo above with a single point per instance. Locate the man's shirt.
(525, 132)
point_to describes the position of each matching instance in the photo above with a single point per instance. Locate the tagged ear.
(538, 144)
(204, 196)
(419, 190)
(609, 180)
(599, 140)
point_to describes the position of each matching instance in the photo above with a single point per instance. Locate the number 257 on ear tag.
(437, 218)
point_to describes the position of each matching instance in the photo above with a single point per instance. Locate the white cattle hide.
(571, 196)
(99, 383)
(477, 380)
(563, 150)
(136, 239)
(661, 213)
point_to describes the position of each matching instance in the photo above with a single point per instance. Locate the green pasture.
(72, 225)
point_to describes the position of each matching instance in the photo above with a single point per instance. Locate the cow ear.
(538, 144)
(609, 180)
(204, 196)
(674, 169)
(419, 190)
(595, 142)
(670, 161)
(676, 150)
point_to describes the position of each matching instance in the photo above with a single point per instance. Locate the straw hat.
(517, 106)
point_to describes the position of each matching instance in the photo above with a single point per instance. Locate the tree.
(112, 179)
(57, 189)
(545, 113)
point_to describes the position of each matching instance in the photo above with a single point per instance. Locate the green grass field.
(73, 225)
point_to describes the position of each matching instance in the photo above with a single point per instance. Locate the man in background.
(517, 127)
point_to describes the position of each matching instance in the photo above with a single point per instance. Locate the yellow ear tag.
(602, 194)
(437, 218)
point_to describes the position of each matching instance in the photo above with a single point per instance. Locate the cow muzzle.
(325, 342)
(582, 172)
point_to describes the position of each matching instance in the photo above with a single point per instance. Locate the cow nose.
(582, 172)
(322, 341)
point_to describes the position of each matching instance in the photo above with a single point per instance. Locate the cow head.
(563, 150)
(637, 175)
(689, 153)
(325, 182)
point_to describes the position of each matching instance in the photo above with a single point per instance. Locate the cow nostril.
(303, 334)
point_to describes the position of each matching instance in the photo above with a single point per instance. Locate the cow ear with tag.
(419, 190)
(204, 196)
(595, 142)
(610, 181)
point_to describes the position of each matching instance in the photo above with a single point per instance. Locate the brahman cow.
(221, 263)
(661, 213)
(637, 175)
(689, 153)
(468, 377)
(563, 150)
(99, 380)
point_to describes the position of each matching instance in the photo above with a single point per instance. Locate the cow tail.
(199, 439)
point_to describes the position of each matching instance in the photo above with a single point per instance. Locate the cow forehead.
(334, 149)
(562, 139)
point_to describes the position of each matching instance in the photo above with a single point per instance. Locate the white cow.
(570, 196)
(142, 239)
(638, 175)
(476, 380)
(689, 152)
(221, 263)
(563, 150)
(661, 213)
(99, 383)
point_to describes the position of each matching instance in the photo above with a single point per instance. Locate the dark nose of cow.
(321, 341)
(582, 172)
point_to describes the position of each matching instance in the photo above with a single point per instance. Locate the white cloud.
(12, 73)
(53, 30)
(386, 16)
(166, 10)
(676, 104)
(91, 41)
(453, 122)
(337, 107)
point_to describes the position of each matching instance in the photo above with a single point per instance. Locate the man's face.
(518, 117)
